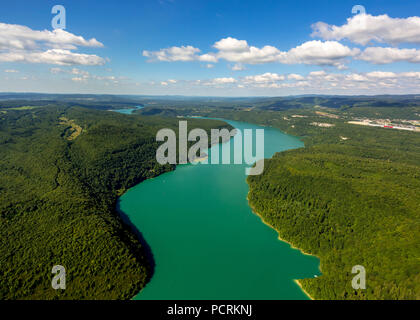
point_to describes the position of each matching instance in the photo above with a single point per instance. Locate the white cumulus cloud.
(364, 28)
(22, 44)
(313, 52)
(238, 67)
(52, 56)
(183, 53)
(223, 80)
(381, 74)
(379, 55)
(20, 37)
(294, 76)
(317, 52)
(262, 78)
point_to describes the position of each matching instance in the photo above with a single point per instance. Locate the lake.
(206, 241)
(128, 110)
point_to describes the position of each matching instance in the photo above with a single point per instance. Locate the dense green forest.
(61, 170)
(348, 209)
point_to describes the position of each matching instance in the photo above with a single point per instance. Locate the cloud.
(53, 56)
(11, 71)
(223, 80)
(79, 72)
(74, 71)
(370, 82)
(238, 67)
(21, 37)
(207, 58)
(379, 55)
(264, 78)
(273, 81)
(56, 70)
(381, 74)
(168, 82)
(107, 79)
(360, 29)
(234, 50)
(184, 53)
(78, 79)
(214, 82)
(317, 73)
(318, 53)
(231, 45)
(79, 75)
(374, 82)
(22, 44)
(356, 77)
(411, 74)
(363, 28)
(313, 52)
(294, 76)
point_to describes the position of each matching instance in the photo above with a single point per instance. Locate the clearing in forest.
(75, 129)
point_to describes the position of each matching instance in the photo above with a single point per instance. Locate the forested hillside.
(348, 210)
(61, 169)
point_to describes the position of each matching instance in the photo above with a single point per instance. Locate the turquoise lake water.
(205, 240)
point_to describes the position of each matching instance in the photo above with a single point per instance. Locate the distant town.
(399, 124)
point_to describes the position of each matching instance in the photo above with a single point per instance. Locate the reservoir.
(206, 241)
(128, 110)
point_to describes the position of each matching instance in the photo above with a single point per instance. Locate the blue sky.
(218, 47)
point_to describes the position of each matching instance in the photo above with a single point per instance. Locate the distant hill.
(263, 103)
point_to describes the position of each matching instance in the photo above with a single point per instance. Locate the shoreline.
(254, 211)
(303, 290)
